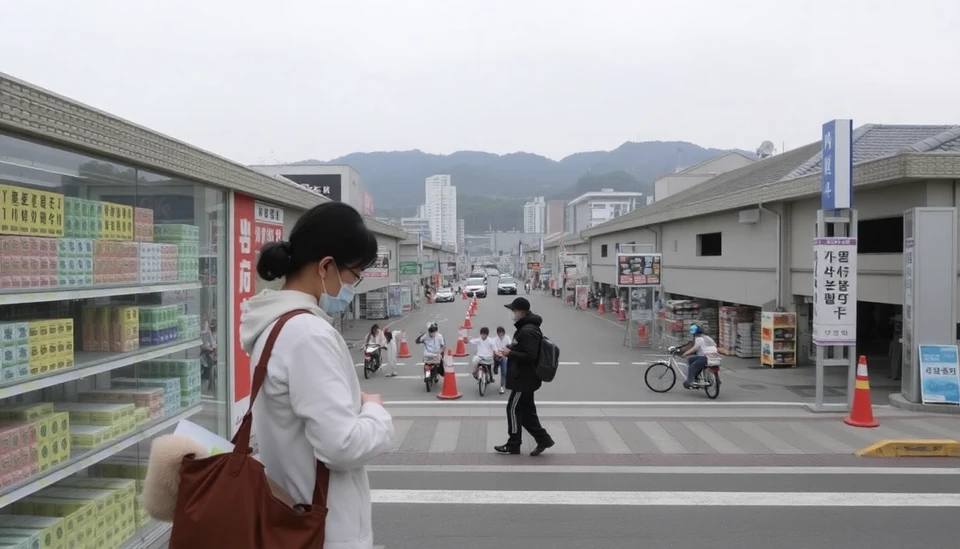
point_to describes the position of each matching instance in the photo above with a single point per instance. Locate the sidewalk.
(799, 381)
(619, 433)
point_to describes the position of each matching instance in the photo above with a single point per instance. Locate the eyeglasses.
(359, 277)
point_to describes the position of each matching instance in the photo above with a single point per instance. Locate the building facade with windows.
(440, 208)
(534, 216)
(594, 208)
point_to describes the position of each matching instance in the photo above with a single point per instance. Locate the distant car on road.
(476, 286)
(445, 295)
(479, 274)
(493, 272)
(506, 285)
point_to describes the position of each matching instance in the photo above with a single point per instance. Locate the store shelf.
(92, 363)
(91, 457)
(156, 532)
(13, 297)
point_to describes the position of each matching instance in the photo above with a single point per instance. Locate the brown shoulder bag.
(226, 500)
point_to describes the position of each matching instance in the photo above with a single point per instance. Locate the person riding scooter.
(433, 345)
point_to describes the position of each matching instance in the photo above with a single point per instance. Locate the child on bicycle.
(485, 350)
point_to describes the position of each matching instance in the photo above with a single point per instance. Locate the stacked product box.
(95, 219)
(159, 324)
(116, 262)
(93, 424)
(187, 240)
(49, 532)
(19, 457)
(28, 262)
(118, 514)
(75, 262)
(114, 329)
(186, 370)
(91, 530)
(31, 213)
(78, 516)
(128, 468)
(143, 225)
(51, 430)
(50, 345)
(158, 263)
(14, 351)
(149, 397)
(188, 326)
(172, 393)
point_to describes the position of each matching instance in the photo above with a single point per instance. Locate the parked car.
(506, 285)
(476, 286)
(445, 295)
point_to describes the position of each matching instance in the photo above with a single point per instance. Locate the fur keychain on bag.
(163, 476)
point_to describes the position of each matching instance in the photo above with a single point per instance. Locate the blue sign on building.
(836, 175)
(939, 374)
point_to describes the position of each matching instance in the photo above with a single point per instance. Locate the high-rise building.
(555, 213)
(441, 210)
(415, 225)
(422, 211)
(593, 208)
(535, 216)
(461, 234)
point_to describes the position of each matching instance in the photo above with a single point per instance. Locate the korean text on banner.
(836, 171)
(639, 269)
(380, 267)
(939, 374)
(834, 291)
(255, 223)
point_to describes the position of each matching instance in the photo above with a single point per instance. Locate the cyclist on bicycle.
(485, 349)
(696, 355)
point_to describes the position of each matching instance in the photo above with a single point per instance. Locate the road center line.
(675, 499)
(606, 363)
(667, 470)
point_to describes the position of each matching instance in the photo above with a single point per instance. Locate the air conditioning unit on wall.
(750, 216)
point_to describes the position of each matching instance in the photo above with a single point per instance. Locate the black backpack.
(548, 359)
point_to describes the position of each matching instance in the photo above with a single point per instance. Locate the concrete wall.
(743, 273)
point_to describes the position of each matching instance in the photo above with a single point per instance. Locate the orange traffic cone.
(404, 348)
(600, 308)
(449, 391)
(466, 322)
(861, 415)
(471, 311)
(623, 315)
(463, 295)
(476, 304)
(461, 347)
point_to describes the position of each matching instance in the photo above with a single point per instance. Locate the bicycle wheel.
(482, 382)
(660, 377)
(713, 384)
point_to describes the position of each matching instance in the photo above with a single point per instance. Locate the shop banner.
(254, 224)
(395, 300)
(533, 266)
(380, 267)
(835, 291)
(450, 269)
(639, 269)
(409, 268)
(939, 374)
(430, 265)
(581, 297)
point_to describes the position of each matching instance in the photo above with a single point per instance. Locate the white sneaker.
(501, 390)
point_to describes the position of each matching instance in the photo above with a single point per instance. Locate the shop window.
(603, 250)
(709, 244)
(880, 236)
(112, 281)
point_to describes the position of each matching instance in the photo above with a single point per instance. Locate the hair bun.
(275, 260)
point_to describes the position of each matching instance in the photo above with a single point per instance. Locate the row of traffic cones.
(449, 390)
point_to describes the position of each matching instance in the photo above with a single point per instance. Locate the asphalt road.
(687, 508)
(595, 365)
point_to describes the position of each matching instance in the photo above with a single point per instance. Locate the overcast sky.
(318, 79)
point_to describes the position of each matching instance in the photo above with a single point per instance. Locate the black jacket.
(522, 361)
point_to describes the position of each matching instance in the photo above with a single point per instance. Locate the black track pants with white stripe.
(522, 414)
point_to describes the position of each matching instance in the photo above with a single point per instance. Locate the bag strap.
(241, 440)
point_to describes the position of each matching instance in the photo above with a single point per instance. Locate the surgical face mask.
(513, 319)
(340, 302)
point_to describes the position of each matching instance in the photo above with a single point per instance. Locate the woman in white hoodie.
(311, 407)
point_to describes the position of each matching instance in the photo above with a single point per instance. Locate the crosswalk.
(626, 435)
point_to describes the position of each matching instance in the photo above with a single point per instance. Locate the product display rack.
(778, 336)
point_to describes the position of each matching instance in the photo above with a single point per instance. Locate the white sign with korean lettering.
(835, 291)
(268, 213)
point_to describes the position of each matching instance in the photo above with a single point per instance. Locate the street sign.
(939, 374)
(836, 174)
(835, 291)
(409, 268)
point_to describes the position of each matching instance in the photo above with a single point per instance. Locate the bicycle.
(661, 376)
(484, 377)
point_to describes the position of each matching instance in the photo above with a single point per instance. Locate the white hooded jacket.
(309, 408)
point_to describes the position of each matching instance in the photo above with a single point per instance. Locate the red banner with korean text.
(254, 224)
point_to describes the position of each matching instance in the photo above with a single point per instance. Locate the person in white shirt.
(501, 341)
(703, 346)
(485, 351)
(391, 353)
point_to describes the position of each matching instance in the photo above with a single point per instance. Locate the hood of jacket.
(530, 319)
(261, 310)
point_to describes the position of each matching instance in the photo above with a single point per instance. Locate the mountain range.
(492, 188)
